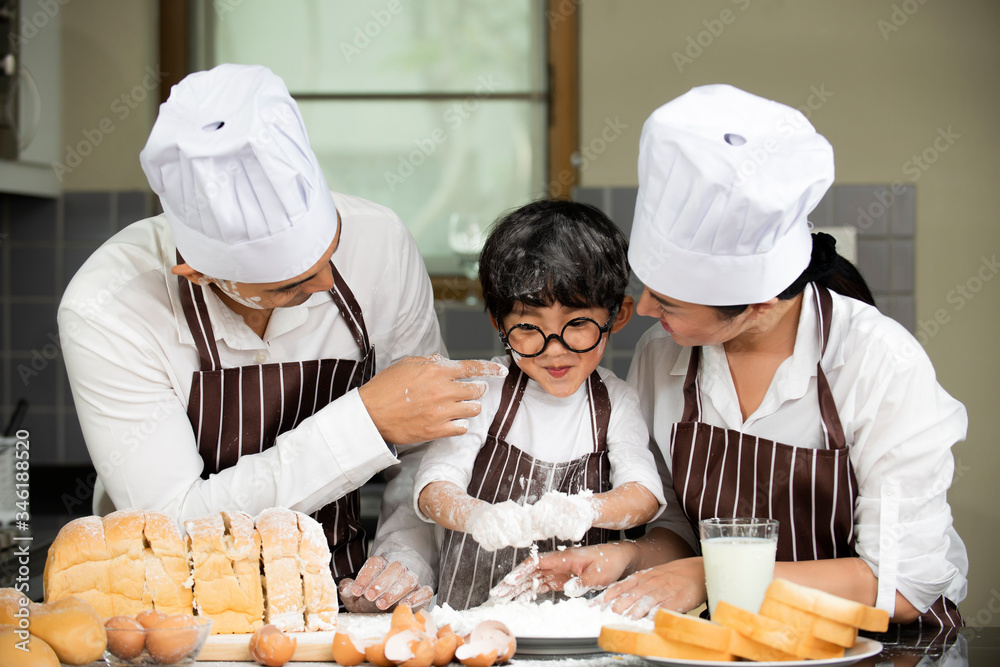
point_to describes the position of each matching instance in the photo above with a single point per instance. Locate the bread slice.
(775, 634)
(243, 549)
(168, 569)
(127, 571)
(279, 539)
(692, 630)
(217, 592)
(633, 640)
(78, 563)
(829, 606)
(318, 588)
(746, 648)
(826, 629)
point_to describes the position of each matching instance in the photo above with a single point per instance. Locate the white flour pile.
(568, 618)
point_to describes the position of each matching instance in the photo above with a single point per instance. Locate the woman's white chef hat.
(242, 190)
(726, 180)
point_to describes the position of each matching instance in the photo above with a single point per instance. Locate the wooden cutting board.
(311, 646)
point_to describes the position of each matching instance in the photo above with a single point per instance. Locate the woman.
(805, 404)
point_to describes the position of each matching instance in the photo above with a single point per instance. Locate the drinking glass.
(739, 560)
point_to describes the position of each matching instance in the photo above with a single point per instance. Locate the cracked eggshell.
(500, 636)
(444, 646)
(428, 624)
(409, 648)
(348, 650)
(480, 653)
(403, 619)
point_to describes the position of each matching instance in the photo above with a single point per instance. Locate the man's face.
(285, 293)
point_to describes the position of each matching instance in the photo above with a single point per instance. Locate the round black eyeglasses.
(581, 334)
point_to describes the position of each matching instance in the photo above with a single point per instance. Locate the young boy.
(560, 449)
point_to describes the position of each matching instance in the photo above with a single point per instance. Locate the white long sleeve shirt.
(550, 429)
(130, 357)
(899, 423)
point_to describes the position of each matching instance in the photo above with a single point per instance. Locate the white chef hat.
(243, 191)
(726, 180)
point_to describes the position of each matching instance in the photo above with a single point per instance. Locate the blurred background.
(453, 111)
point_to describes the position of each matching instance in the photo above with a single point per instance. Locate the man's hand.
(381, 586)
(421, 398)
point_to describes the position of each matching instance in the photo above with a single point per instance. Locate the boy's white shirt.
(550, 429)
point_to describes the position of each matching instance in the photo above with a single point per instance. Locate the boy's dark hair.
(553, 251)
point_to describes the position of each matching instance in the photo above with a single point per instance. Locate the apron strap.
(692, 392)
(350, 309)
(833, 429)
(510, 399)
(600, 410)
(832, 426)
(196, 313)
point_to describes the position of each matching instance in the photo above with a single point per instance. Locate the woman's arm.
(849, 578)
(625, 506)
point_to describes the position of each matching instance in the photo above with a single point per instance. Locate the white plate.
(556, 645)
(864, 648)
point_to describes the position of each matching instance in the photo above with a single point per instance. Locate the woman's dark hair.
(553, 251)
(827, 268)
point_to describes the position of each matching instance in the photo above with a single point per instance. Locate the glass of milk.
(739, 560)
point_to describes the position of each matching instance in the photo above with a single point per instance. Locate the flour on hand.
(505, 524)
(565, 517)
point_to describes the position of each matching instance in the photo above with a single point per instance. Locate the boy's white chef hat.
(243, 191)
(726, 180)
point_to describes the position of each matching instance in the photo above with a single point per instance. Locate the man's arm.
(141, 441)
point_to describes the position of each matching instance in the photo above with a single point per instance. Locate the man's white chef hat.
(726, 180)
(244, 194)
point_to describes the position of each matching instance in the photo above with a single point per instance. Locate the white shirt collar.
(791, 380)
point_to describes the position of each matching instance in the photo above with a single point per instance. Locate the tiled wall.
(43, 242)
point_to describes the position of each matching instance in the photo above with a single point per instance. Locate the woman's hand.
(678, 585)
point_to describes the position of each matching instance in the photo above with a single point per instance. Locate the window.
(438, 109)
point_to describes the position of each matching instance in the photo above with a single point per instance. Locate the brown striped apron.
(240, 411)
(504, 472)
(725, 473)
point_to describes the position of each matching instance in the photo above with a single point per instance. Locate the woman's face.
(691, 324)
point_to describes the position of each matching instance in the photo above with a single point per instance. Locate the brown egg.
(347, 651)
(375, 653)
(150, 617)
(271, 647)
(125, 637)
(172, 638)
(497, 633)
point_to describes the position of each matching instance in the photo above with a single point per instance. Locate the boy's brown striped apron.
(504, 472)
(242, 410)
(721, 472)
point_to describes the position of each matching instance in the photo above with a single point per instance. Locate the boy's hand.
(559, 515)
(505, 524)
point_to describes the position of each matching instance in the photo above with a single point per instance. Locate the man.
(252, 346)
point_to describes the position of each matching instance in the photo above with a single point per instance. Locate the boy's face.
(557, 369)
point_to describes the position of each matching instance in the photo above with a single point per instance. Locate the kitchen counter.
(968, 647)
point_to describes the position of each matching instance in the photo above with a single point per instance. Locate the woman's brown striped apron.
(504, 472)
(242, 410)
(720, 472)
